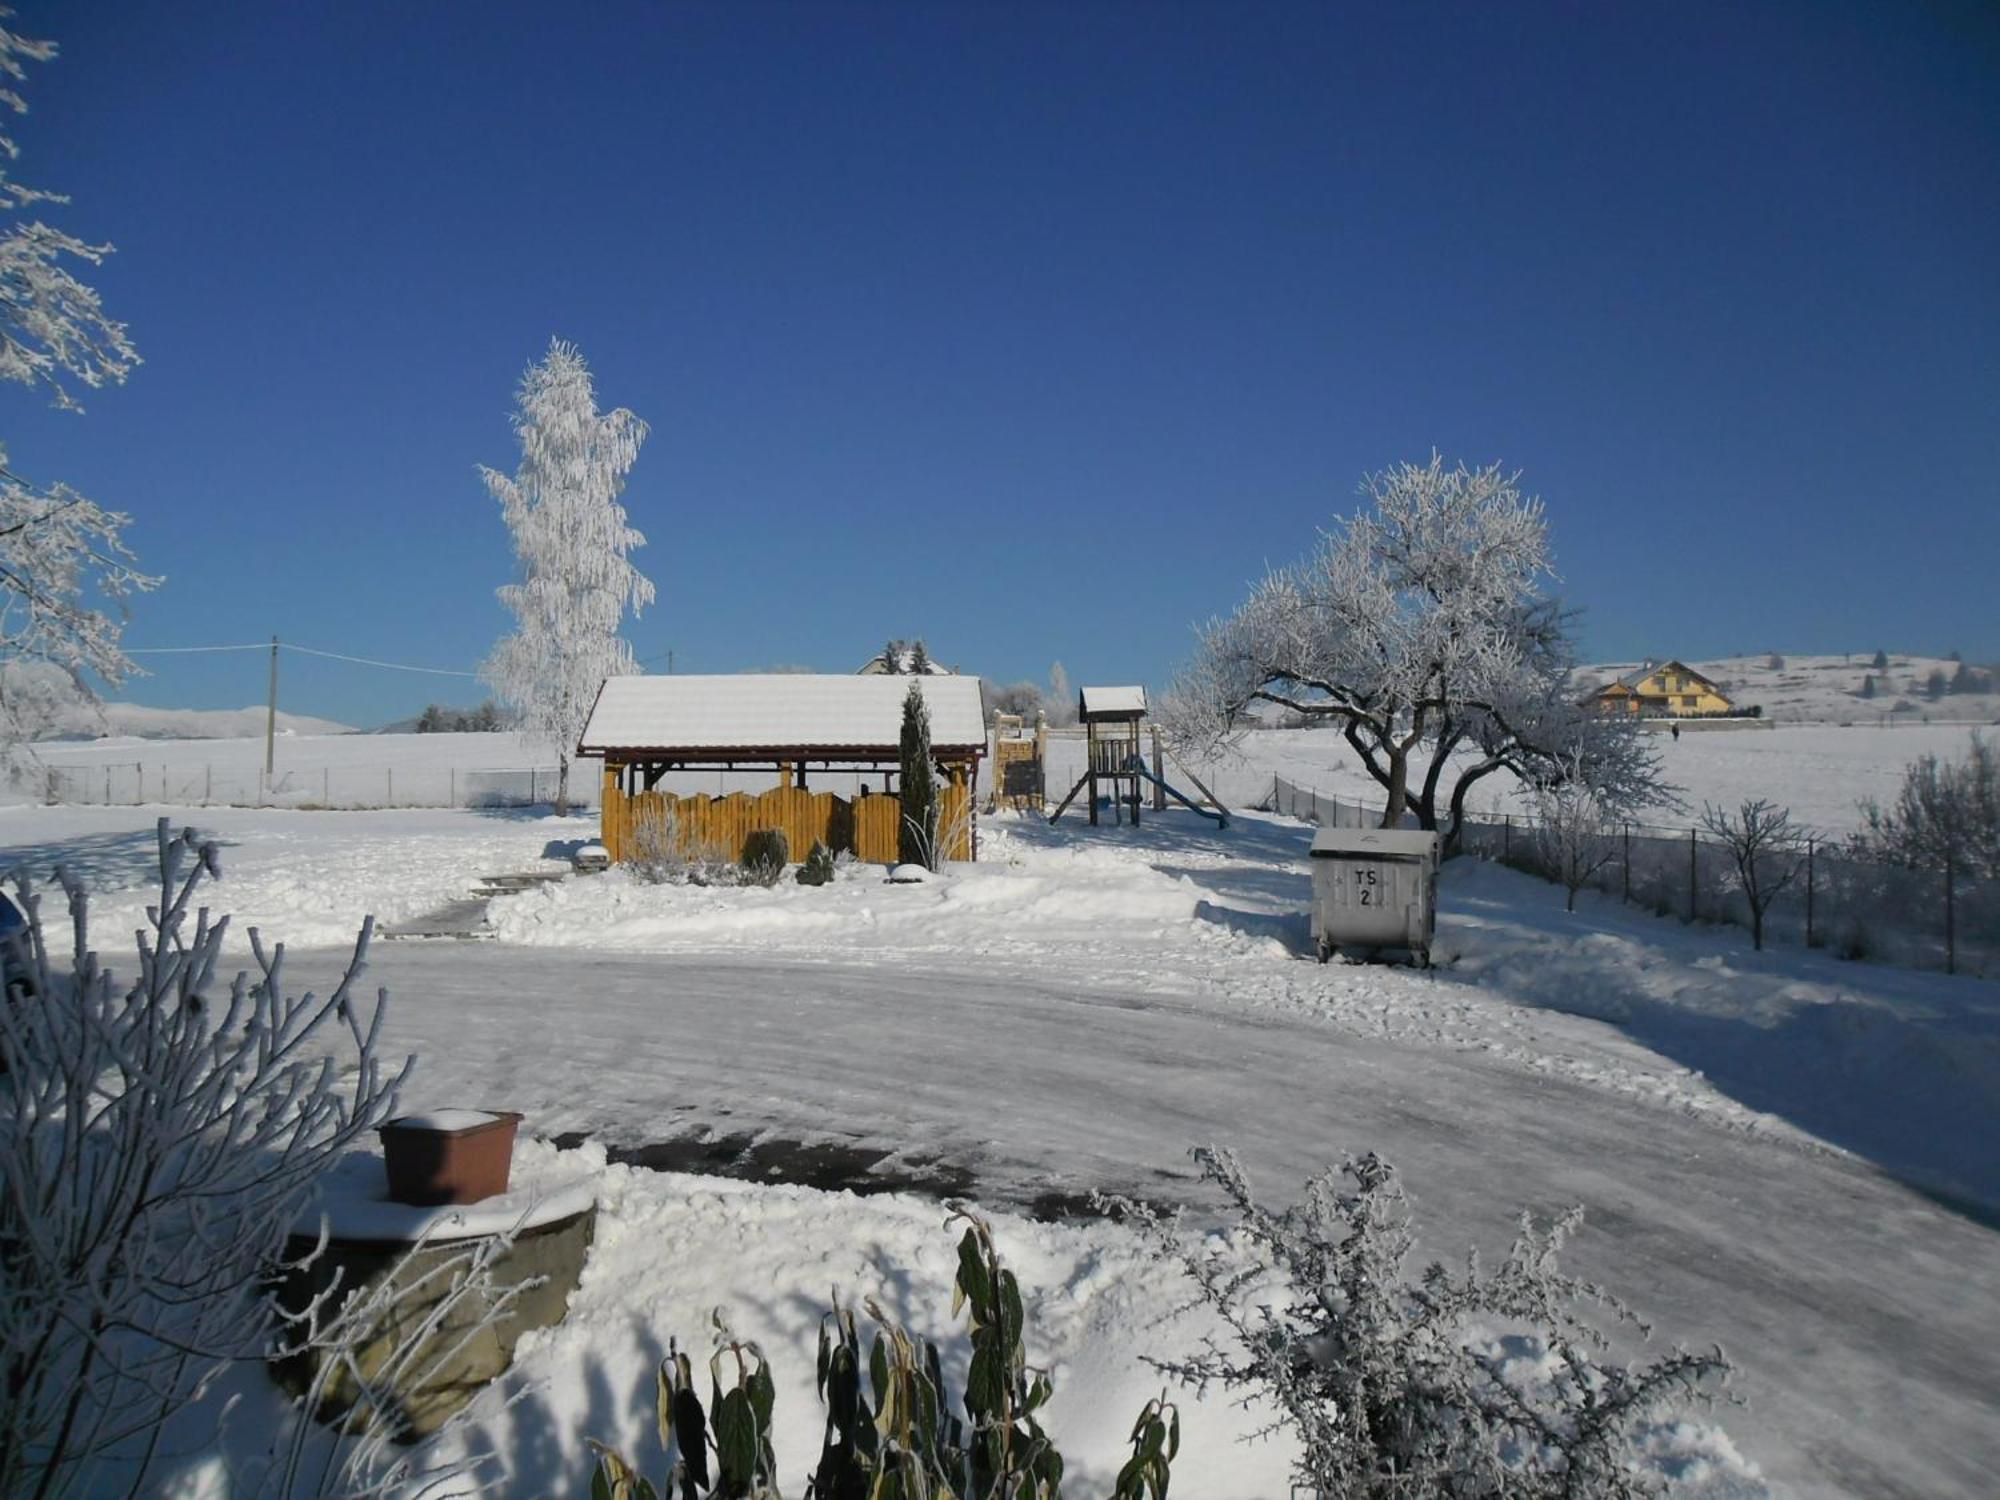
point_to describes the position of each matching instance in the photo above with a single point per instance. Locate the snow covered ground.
(1787, 1154)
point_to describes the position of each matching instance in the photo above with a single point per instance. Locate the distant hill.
(1827, 689)
(137, 721)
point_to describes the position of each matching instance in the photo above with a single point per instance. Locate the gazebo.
(794, 725)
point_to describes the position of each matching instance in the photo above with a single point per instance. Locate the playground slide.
(1139, 766)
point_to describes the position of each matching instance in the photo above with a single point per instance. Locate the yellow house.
(1671, 689)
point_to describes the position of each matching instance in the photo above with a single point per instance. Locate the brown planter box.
(429, 1164)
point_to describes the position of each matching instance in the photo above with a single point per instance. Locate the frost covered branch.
(57, 548)
(158, 1140)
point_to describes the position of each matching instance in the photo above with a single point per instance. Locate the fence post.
(139, 784)
(1693, 876)
(1628, 865)
(1507, 836)
(1811, 850)
(1950, 913)
(531, 786)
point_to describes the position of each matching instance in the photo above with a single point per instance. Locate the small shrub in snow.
(1446, 1387)
(766, 852)
(1855, 942)
(819, 867)
(893, 1427)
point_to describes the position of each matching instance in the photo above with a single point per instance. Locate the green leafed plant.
(893, 1431)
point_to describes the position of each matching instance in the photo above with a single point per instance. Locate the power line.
(366, 661)
(190, 650)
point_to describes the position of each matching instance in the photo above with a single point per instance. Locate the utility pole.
(271, 718)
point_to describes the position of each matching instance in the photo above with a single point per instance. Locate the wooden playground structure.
(1113, 718)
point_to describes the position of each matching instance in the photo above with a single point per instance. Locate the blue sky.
(1036, 330)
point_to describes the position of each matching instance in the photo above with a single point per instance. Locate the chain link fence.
(134, 783)
(1855, 908)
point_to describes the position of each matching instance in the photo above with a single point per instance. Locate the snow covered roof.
(706, 717)
(1114, 700)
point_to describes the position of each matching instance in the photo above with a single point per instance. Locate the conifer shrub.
(766, 852)
(818, 868)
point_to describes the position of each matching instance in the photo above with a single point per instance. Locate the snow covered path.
(1864, 1318)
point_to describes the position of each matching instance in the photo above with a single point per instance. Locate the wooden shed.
(795, 726)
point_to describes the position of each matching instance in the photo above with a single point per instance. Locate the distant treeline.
(437, 719)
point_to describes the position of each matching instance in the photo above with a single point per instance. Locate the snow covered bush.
(1442, 1388)
(158, 1141)
(894, 1429)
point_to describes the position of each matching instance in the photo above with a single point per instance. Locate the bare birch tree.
(573, 544)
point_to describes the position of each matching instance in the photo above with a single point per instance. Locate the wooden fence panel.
(716, 827)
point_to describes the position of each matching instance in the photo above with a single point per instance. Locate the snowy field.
(1820, 771)
(1792, 1156)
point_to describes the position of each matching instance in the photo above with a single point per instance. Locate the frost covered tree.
(573, 544)
(65, 571)
(1574, 834)
(1946, 813)
(1062, 697)
(1419, 628)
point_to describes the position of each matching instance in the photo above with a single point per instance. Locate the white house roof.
(1114, 700)
(777, 711)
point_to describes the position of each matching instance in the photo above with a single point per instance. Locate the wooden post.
(1159, 773)
(1041, 760)
(271, 718)
(1950, 913)
(1091, 761)
(1693, 860)
(1811, 849)
(1628, 863)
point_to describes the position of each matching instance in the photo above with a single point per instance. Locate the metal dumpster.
(1374, 889)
